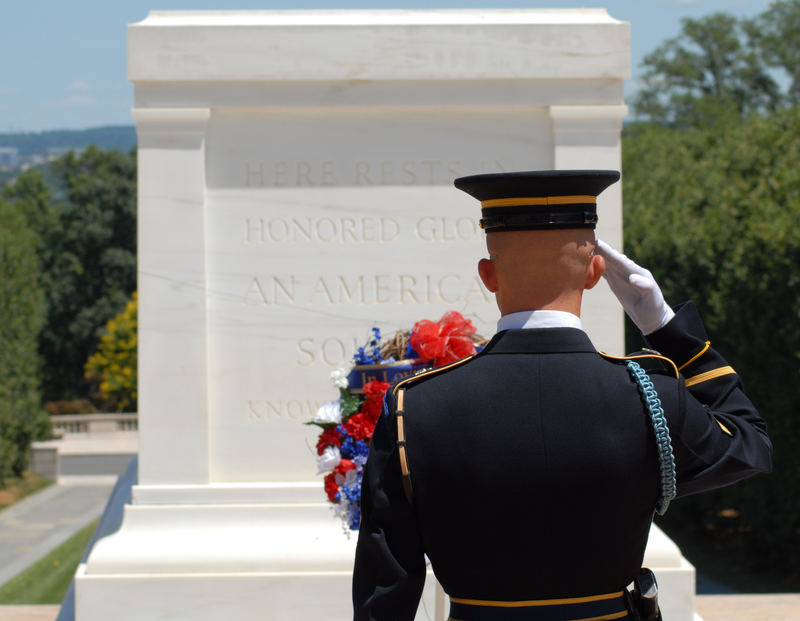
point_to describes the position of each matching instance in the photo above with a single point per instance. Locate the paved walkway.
(28, 613)
(33, 527)
(770, 607)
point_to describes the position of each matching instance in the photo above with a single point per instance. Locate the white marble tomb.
(295, 189)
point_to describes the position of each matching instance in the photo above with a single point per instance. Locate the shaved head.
(536, 270)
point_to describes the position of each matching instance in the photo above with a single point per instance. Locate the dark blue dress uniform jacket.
(535, 471)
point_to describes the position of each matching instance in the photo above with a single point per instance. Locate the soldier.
(529, 474)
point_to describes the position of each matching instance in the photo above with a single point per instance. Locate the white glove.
(636, 289)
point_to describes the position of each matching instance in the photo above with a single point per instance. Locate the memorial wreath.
(348, 423)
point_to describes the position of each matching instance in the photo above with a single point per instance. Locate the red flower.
(329, 437)
(330, 487)
(444, 341)
(344, 467)
(376, 389)
(373, 404)
(359, 426)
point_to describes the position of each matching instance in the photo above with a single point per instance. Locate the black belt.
(592, 608)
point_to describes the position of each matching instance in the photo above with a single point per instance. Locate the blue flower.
(348, 448)
(373, 356)
(360, 450)
(361, 357)
(353, 495)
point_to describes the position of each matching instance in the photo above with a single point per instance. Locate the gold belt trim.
(709, 375)
(616, 615)
(538, 602)
(539, 200)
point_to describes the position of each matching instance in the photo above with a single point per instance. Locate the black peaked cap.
(538, 199)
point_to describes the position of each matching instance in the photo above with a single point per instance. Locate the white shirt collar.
(539, 319)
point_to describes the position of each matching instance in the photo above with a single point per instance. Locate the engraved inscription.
(447, 229)
(332, 351)
(302, 173)
(374, 289)
(261, 231)
(270, 409)
(325, 230)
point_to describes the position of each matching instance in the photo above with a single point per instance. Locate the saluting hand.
(636, 289)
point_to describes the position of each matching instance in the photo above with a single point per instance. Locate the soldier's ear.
(488, 273)
(597, 267)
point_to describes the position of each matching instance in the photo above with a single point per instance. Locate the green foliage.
(87, 231)
(710, 73)
(350, 403)
(21, 316)
(714, 215)
(33, 199)
(776, 34)
(722, 68)
(113, 366)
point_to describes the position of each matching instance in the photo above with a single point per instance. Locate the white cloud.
(79, 85)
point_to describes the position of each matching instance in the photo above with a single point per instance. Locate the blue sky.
(63, 65)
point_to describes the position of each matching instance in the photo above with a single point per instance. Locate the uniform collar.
(539, 319)
(540, 341)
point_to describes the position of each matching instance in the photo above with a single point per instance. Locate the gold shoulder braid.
(646, 355)
(399, 392)
(401, 446)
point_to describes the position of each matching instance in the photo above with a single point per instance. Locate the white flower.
(350, 477)
(329, 459)
(330, 412)
(339, 377)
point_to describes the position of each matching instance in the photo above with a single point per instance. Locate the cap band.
(540, 200)
(536, 221)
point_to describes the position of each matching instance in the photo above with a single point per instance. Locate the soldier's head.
(540, 236)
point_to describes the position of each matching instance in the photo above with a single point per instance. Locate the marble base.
(244, 551)
(225, 551)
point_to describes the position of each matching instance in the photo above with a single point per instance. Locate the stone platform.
(772, 607)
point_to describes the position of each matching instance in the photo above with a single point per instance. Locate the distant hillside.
(122, 137)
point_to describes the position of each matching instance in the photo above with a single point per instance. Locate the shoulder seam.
(640, 356)
(429, 372)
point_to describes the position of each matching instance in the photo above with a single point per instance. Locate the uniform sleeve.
(389, 569)
(718, 436)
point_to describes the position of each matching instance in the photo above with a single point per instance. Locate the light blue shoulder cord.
(666, 459)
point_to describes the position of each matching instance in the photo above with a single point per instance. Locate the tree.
(21, 317)
(113, 366)
(88, 252)
(711, 72)
(33, 199)
(714, 215)
(776, 34)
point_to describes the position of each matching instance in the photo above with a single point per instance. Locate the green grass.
(47, 580)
